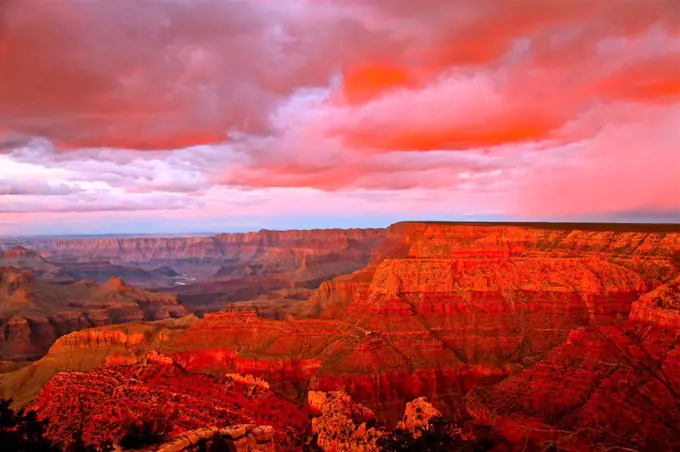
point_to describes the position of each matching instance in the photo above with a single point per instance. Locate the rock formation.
(450, 307)
(418, 416)
(660, 306)
(33, 313)
(341, 424)
(222, 246)
(99, 401)
(538, 328)
(209, 272)
(88, 349)
(237, 438)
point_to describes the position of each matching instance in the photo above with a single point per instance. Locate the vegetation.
(21, 431)
(445, 434)
(146, 429)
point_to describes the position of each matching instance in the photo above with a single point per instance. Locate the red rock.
(660, 306)
(418, 415)
(34, 313)
(446, 308)
(96, 401)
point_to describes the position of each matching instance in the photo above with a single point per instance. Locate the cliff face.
(33, 313)
(660, 306)
(603, 389)
(444, 308)
(87, 349)
(219, 247)
(209, 272)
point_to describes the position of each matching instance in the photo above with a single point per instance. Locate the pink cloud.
(160, 75)
(631, 165)
(316, 108)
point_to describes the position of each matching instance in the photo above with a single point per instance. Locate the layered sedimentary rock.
(210, 272)
(223, 246)
(33, 313)
(660, 306)
(88, 349)
(448, 308)
(445, 308)
(606, 388)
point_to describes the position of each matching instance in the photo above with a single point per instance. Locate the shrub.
(21, 431)
(145, 429)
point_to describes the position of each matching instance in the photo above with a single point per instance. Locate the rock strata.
(34, 313)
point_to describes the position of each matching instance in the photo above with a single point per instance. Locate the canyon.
(34, 313)
(206, 272)
(531, 328)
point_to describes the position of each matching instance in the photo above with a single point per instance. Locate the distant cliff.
(218, 247)
(33, 313)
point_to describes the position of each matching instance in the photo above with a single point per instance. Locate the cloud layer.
(238, 113)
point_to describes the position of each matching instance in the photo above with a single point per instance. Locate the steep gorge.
(450, 307)
(465, 315)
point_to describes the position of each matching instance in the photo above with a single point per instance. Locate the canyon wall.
(218, 247)
(446, 307)
(470, 314)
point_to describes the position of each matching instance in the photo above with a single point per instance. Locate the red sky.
(160, 116)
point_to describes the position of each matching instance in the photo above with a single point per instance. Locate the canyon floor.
(563, 336)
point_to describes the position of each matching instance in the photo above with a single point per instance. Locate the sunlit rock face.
(87, 349)
(660, 306)
(608, 386)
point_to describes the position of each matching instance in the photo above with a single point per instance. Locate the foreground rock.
(342, 425)
(102, 404)
(418, 417)
(236, 438)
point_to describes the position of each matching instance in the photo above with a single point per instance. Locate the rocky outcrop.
(237, 438)
(418, 416)
(19, 256)
(341, 424)
(90, 348)
(194, 409)
(660, 306)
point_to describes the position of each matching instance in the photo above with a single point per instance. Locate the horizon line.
(443, 222)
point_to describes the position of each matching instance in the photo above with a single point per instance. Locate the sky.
(152, 116)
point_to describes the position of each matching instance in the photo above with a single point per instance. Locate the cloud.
(631, 165)
(262, 109)
(160, 75)
(34, 187)
(94, 203)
